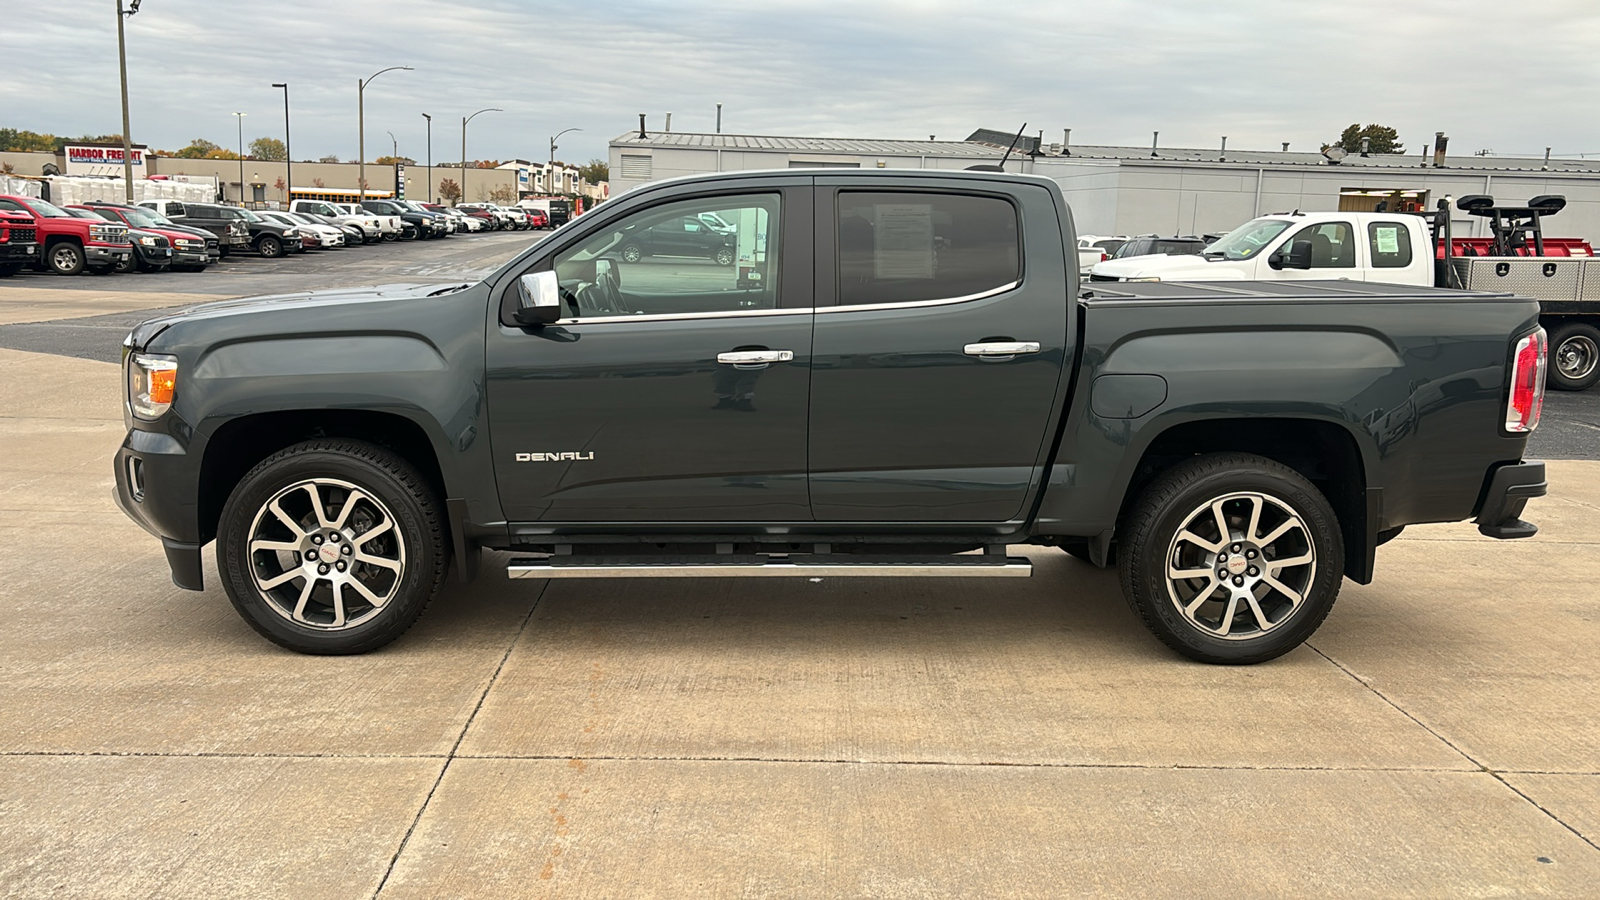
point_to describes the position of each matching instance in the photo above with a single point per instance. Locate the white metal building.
(1140, 190)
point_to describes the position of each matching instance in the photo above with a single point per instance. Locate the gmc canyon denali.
(899, 375)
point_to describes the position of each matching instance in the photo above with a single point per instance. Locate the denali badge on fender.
(554, 457)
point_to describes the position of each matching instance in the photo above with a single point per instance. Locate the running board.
(748, 566)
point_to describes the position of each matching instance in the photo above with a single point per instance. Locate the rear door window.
(910, 247)
(1390, 243)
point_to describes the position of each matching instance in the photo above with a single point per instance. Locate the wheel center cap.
(1236, 564)
(328, 553)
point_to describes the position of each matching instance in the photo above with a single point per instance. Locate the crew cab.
(366, 223)
(19, 243)
(152, 251)
(232, 232)
(916, 383)
(413, 224)
(70, 244)
(1407, 248)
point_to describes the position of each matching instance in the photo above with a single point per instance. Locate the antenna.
(1013, 146)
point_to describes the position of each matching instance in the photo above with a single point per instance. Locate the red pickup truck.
(19, 245)
(72, 244)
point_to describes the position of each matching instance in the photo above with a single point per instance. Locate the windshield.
(1246, 240)
(144, 217)
(250, 216)
(48, 210)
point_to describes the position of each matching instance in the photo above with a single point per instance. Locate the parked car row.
(157, 235)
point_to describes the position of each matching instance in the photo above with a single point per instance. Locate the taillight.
(1527, 383)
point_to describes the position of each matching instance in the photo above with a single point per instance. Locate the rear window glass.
(905, 247)
(1390, 245)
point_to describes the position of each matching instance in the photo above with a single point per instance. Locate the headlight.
(152, 379)
(147, 241)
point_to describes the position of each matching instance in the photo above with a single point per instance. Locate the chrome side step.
(795, 566)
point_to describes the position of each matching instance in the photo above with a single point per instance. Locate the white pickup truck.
(1395, 248)
(371, 228)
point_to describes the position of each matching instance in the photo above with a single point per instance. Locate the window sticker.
(903, 234)
(1388, 238)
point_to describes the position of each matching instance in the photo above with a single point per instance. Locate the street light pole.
(122, 61)
(430, 156)
(464, 121)
(241, 116)
(551, 169)
(288, 156)
(361, 130)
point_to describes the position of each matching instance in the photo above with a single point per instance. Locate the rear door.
(942, 332)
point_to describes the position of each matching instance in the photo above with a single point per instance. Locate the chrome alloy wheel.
(1241, 565)
(325, 554)
(1577, 357)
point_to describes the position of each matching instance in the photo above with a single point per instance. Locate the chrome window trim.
(674, 317)
(914, 304)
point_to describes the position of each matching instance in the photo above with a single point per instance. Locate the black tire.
(1574, 357)
(631, 253)
(269, 247)
(395, 491)
(1151, 539)
(65, 258)
(391, 236)
(723, 256)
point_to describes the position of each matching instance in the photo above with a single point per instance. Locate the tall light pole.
(430, 156)
(464, 121)
(241, 116)
(288, 157)
(122, 61)
(551, 170)
(361, 129)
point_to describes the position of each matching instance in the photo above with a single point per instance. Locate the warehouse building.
(1152, 190)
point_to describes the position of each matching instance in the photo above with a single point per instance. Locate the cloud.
(1113, 70)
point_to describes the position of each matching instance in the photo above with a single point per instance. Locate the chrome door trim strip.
(914, 304)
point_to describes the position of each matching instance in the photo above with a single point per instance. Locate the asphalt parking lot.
(1438, 737)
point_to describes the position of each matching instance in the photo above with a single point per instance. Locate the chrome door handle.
(752, 359)
(998, 350)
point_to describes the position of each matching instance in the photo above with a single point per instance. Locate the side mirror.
(1293, 255)
(538, 299)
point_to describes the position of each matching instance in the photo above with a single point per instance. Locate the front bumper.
(19, 252)
(1509, 489)
(99, 255)
(157, 487)
(184, 257)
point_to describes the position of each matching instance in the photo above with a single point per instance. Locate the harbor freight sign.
(100, 159)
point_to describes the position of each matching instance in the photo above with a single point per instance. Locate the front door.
(674, 389)
(938, 360)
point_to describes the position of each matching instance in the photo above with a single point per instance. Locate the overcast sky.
(1259, 71)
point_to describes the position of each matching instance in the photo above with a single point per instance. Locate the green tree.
(269, 149)
(16, 140)
(1381, 139)
(595, 171)
(199, 148)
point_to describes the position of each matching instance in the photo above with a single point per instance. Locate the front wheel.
(631, 253)
(332, 547)
(1231, 558)
(66, 259)
(270, 247)
(1574, 357)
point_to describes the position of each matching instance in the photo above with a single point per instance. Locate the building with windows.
(1153, 190)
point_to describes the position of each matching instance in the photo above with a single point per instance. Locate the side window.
(1390, 244)
(905, 247)
(659, 261)
(1333, 245)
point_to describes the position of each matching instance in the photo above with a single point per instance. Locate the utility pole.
(122, 62)
(288, 155)
(361, 130)
(430, 156)
(464, 121)
(241, 156)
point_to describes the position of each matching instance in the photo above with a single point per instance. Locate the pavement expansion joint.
(451, 756)
(1497, 776)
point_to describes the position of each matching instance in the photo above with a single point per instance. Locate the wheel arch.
(239, 444)
(1325, 453)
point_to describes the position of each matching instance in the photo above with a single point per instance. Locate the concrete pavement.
(1438, 737)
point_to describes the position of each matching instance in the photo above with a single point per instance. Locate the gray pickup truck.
(897, 375)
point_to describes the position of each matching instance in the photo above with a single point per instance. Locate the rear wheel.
(65, 259)
(1574, 357)
(631, 253)
(724, 256)
(1232, 558)
(332, 547)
